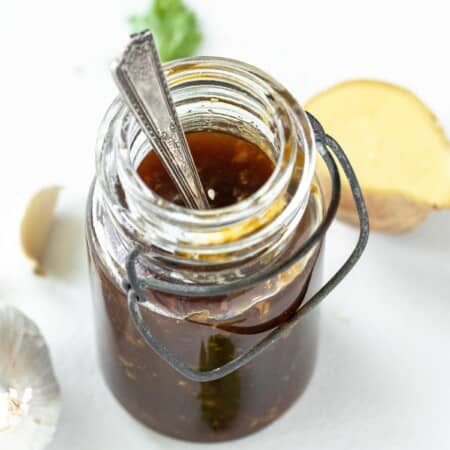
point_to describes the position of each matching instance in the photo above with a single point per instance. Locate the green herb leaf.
(174, 26)
(220, 399)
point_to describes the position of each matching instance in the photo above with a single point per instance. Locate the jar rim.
(213, 219)
(202, 62)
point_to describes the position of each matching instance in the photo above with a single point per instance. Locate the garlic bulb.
(30, 399)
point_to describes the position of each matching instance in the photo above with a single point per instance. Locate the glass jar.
(197, 311)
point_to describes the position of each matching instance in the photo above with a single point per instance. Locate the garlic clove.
(36, 225)
(30, 399)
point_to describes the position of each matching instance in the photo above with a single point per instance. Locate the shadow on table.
(66, 252)
(433, 235)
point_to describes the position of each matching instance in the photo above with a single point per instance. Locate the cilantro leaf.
(174, 25)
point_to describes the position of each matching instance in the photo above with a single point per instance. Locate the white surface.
(382, 376)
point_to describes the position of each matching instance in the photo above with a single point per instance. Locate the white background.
(382, 379)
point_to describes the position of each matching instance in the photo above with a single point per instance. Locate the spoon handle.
(142, 83)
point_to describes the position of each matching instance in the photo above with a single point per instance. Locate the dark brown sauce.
(252, 396)
(230, 168)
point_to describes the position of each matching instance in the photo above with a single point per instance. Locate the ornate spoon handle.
(141, 81)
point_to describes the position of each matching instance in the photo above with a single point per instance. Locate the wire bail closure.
(136, 288)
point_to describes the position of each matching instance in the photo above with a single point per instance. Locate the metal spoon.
(142, 83)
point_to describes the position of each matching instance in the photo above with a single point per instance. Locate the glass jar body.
(229, 408)
(207, 330)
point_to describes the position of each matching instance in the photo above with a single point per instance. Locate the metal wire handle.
(137, 296)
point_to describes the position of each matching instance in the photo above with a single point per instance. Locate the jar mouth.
(202, 231)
